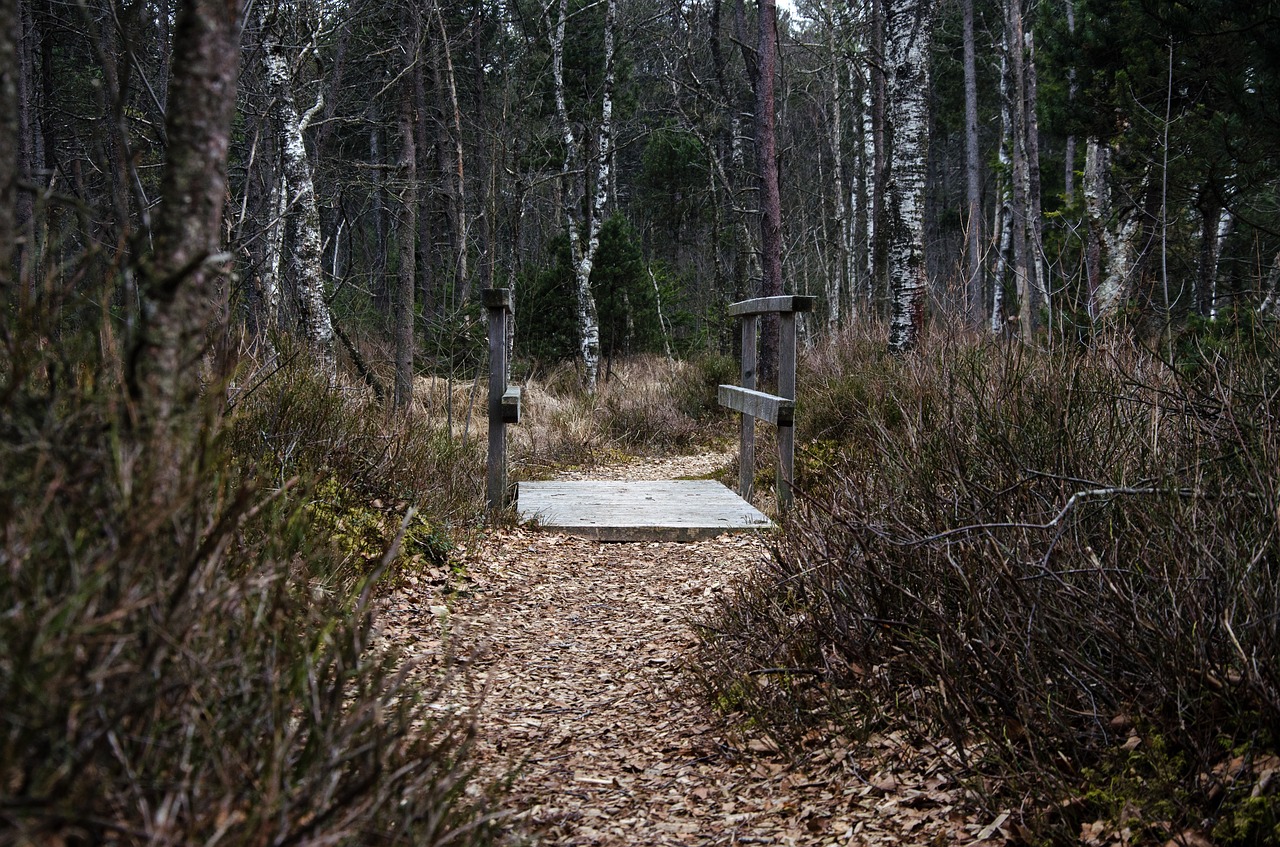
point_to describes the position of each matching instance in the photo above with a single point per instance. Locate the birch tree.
(908, 35)
(304, 256)
(584, 227)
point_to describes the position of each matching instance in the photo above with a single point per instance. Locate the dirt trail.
(581, 647)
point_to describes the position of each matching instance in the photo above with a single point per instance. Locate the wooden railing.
(778, 409)
(504, 399)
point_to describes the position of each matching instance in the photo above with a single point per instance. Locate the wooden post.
(777, 409)
(498, 302)
(747, 426)
(786, 431)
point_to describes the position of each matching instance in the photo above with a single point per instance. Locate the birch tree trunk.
(839, 279)
(1113, 235)
(1097, 204)
(907, 38)
(1002, 238)
(302, 222)
(1271, 290)
(584, 235)
(1035, 215)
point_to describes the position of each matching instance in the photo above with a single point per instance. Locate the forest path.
(582, 648)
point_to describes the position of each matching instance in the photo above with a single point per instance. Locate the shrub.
(1028, 552)
(178, 672)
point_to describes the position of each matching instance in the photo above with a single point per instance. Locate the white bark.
(838, 280)
(1003, 235)
(1226, 223)
(1115, 235)
(584, 236)
(302, 220)
(907, 41)
(1271, 299)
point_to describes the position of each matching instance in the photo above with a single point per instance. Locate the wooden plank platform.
(681, 510)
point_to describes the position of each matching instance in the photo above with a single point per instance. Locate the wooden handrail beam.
(767, 305)
(766, 407)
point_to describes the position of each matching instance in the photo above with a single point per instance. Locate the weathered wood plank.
(746, 423)
(511, 405)
(757, 404)
(499, 302)
(497, 298)
(764, 305)
(682, 510)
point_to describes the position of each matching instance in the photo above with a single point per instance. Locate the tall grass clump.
(184, 671)
(1064, 563)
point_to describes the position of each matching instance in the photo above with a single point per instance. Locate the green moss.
(361, 532)
(1251, 821)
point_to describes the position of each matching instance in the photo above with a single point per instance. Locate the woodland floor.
(580, 651)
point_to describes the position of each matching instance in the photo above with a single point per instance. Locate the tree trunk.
(406, 273)
(184, 266)
(1035, 216)
(9, 152)
(1097, 204)
(1069, 154)
(908, 34)
(877, 226)
(839, 279)
(584, 236)
(973, 177)
(456, 194)
(770, 197)
(302, 223)
(1021, 180)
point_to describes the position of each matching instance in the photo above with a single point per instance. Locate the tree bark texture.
(770, 195)
(973, 177)
(406, 272)
(907, 38)
(184, 266)
(9, 151)
(584, 235)
(302, 222)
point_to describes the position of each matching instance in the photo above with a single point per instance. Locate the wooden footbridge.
(675, 510)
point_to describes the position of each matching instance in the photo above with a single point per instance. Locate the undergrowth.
(1064, 562)
(204, 669)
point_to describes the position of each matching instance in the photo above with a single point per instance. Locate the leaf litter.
(573, 654)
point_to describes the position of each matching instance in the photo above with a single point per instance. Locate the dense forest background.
(1034, 168)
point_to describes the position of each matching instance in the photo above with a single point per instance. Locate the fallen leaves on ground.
(574, 650)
